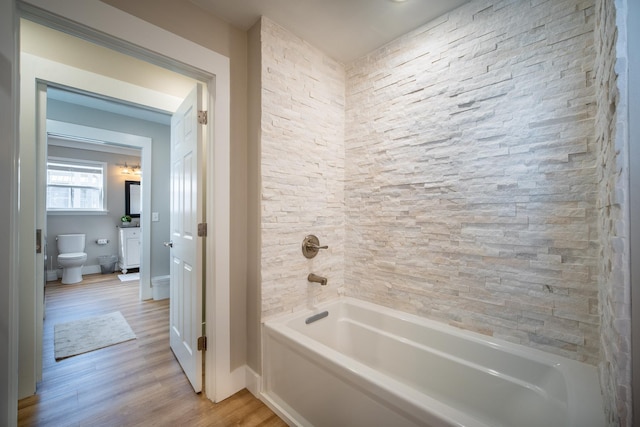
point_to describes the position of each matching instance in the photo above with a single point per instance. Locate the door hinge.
(202, 117)
(202, 229)
(202, 343)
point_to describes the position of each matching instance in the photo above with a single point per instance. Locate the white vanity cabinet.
(129, 248)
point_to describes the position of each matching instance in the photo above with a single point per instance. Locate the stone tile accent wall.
(613, 211)
(471, 174)
(302, 140)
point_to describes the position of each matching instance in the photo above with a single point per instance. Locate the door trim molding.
(111, 27)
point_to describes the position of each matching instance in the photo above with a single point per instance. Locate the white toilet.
(71, 257)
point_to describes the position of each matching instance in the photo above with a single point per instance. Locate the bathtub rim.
(580, 377)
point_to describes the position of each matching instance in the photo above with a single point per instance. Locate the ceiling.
(344, 29)
(111, 106)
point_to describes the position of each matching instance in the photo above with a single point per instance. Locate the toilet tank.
(70, 243)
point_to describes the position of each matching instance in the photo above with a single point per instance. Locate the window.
(76, 186)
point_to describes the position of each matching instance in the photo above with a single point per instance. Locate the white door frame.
(109, 26)
(9, 181)
(38, 73)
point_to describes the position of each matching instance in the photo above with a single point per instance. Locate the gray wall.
(161, 136)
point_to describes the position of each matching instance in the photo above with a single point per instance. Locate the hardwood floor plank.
(135, 383)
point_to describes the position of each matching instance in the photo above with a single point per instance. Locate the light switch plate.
(154, 216)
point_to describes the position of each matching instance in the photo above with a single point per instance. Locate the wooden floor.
(136, 383)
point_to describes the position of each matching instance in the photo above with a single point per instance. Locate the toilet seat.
(73, 256)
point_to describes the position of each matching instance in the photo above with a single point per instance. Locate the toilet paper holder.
(102, 241)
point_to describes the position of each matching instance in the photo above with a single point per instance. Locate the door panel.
(186, 312)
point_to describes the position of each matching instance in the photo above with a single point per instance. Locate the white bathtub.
(366, 365)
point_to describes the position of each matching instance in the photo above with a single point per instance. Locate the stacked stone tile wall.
(302, 163)
(613, 211)
(471, 174)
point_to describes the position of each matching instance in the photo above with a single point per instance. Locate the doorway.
(81, 125)
(213, 68)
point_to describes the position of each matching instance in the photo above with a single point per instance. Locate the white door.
(186, 311)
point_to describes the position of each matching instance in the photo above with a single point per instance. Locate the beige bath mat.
(84, 335)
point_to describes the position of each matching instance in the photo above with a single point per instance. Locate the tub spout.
(317, 279)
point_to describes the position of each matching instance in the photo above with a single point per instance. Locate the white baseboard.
(228, 384)
(253, 382)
